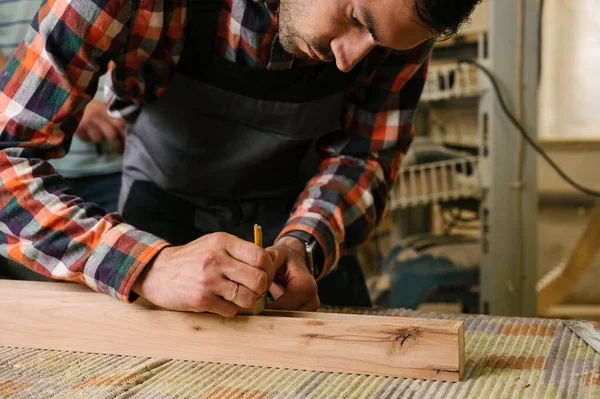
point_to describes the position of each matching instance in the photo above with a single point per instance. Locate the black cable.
(523, 132)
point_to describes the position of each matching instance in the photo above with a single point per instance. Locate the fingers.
(246, 252)
(83, 134)
(114, 138)
(110, 133)
(222, 307)
(252, 278)
(311, 306)
(301, 292)
(92, 132)
(244, 298)
(275, 257)
(119, 124)
(97, 126)
(201, 277)
(242, 250)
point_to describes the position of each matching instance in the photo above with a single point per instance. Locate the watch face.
(309, 256)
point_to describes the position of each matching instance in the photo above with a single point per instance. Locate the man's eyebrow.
(368, 18)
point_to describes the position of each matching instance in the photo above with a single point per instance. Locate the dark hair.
(444, 17)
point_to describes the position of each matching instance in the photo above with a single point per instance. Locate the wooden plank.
(578, 312)
(65, 317)
(583, 144)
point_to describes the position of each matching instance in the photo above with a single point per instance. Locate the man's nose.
(351, 48)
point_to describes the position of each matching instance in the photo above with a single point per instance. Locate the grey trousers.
(11, 270)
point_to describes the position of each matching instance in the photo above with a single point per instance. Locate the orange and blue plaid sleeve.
(344, 202)
(43, 91)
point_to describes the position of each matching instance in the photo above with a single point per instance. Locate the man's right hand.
(201, 276)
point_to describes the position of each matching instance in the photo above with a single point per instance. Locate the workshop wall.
(570, 84)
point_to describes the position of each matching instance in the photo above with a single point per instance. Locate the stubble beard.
(288, 35)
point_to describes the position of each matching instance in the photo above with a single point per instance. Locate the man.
(235, 116)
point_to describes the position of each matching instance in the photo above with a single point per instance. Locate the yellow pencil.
(259, 241)
(258, 235)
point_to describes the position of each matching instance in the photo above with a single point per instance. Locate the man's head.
(347, 30)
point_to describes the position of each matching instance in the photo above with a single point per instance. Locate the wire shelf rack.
(448, 81)
(436, 182)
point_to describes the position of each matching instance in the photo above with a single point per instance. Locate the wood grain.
(69, 317)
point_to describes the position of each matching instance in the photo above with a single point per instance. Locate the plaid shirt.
(54, 74)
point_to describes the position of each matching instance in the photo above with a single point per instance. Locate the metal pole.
(509, 204)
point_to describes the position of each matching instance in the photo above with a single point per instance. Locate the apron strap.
(198, 56)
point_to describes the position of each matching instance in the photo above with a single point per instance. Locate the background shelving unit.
(451, 81)
(435, 182)
(502, 180)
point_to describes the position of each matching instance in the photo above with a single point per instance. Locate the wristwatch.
(309, 249)
(313, 252)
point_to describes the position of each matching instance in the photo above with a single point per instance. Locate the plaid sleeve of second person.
(344, 202)
(43, 91)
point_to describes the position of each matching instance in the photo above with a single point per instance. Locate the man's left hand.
(300, 287)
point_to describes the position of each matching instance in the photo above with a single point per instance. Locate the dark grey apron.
(229, 146)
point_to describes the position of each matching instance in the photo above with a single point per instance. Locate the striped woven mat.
(505, 358)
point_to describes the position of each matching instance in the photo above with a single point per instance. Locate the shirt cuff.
(307, 226)
(119, 258)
